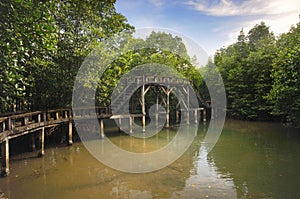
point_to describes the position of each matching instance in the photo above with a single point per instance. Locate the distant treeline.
(261, 74)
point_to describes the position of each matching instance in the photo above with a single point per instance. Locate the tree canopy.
(261, 75)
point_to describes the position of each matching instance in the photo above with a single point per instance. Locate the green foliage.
(155, 49)
(28, 39)
(43, 44)
(245, 67)
(261, 75)
(285, 92)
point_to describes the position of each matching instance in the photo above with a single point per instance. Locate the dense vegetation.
(43, 45)
(262, 75)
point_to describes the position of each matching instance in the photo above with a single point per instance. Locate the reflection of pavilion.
(193, 175)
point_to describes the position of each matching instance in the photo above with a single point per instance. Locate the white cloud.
(278, 14)
(246, 8)
(157, 3)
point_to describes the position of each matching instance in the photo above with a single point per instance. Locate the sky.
(212, 24)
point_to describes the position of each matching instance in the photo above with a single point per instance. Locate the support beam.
(167, 92)
(42, 153)
(204, 115)
(188, 105)
(102, 128)
(195, 116)
(177, 116)
(131, 124)
(143, 108)
(156, 111)
(70, 133)
(6, 157)
(187, 116)
(33, 147)
(168, 110)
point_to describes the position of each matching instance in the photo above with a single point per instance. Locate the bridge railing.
(17, 124)
(157, 79)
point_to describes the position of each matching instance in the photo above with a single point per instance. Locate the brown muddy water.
(250, 160)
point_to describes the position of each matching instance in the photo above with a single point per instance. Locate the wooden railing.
(17, 125)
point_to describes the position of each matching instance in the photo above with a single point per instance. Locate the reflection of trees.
(162, 183)
(260, 158)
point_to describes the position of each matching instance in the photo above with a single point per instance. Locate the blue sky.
(211, 23)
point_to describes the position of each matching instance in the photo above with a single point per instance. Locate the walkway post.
(188, 105)
(6, 156)
(43, 142)
(70, 132)
(156, 111)
(33, 147)
(204, 115)
(143, 106)
(130, 124)
(195, 116)
(102, 128)
(168, 110)
(177, 116)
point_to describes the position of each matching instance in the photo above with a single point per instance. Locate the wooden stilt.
(168, 111)
(6, 157)
(130, 124)
(143, 108)
(204, 115)
(187, 116)
(195, 116)
(70, 133)
(33, 147)
(102, 128)
(177, 116)
(188, 105)
(43, 142)
(156, 111)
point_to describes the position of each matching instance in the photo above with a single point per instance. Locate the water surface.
(250, 160)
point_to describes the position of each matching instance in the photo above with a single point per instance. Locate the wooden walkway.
(17, 125)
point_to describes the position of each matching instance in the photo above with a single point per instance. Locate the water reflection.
(258, 161)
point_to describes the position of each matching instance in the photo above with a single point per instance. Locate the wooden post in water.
(143, 107)
(204, 115)
(177, 116)
(168, 110)
(102, 128)
(33, 147)
(6, 156)
(156, 111)
(130, 124)
(195, 116)
(188, 105)
(70, 133)
(43, 142)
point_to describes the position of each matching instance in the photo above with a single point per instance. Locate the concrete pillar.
(70, 133)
